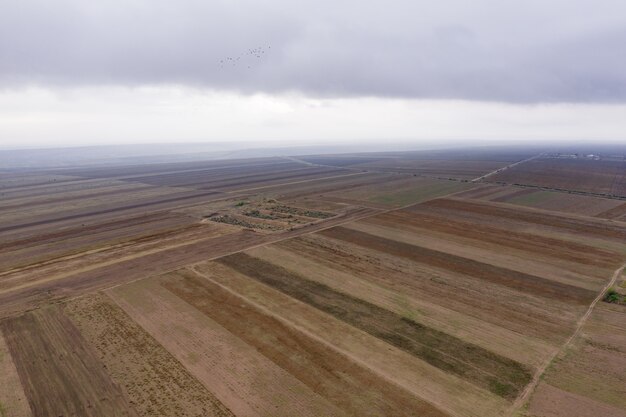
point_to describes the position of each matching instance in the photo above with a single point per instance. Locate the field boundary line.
(294, 159)
(530, 388)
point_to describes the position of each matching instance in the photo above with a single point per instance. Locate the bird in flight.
(251, 55)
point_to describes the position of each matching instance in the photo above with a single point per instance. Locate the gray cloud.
(514, 51)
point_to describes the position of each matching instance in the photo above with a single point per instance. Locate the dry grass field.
(354, 285)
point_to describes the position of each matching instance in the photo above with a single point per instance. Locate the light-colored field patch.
(440, 388)
(595, 365)
(242, 379)
(585, 276)
(60, 373)
(506, 307)
(13, 402)
(63, 267)
(398, 299)
(568, 227)
(139, 364)
(549, 401)
(20, 252)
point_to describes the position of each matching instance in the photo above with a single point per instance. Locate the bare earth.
(404, 284)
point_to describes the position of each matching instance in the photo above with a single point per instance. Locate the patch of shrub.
(503, 390)
(238, 222)
(613, 296)
(259, 215)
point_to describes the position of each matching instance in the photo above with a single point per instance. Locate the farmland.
(600, 177)
(335, 285)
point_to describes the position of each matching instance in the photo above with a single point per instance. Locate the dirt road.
(525, 394)
(505, 168)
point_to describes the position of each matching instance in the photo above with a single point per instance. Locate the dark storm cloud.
(515, 51)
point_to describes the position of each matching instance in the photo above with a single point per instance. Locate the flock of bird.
(254, 53)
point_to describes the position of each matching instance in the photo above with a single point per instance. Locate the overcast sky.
(131, 71)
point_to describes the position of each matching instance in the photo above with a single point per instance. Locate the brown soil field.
(256, 181)
(549, 200)
(213, 169)
(240, 376)
(400, 191)
(513, 279)
(549, 401)
(95, 277)
(85, 261)
(55, 189)
(436, 168)
(45, 288)
(138, 364)
(582, 275)
(468, 165)
(230, 181)
(37, 200)
(395, 285)
(594, 368)
(13, 401)
(617, 213)
(315, 188)
(234, 166)
(352, 388)
(523, 312)
(444, 390)
(424, 294)
(338, 160)
(12, 181)
(193, 178)
(499, 375)
(315, 203)
(60, 373)
(169, 201)
(480, 191)
(528, 242)
(56, 243)
(281, 189)
(513, 194)
(595, 176)
(356, 284)
(88, 203)
(573, 224)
